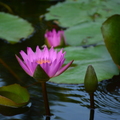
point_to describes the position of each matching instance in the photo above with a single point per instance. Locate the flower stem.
(10, 70)
(45, 97)
(92, 107)
(92, 100)
(92, 114)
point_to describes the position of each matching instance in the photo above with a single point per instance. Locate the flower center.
(43, 61)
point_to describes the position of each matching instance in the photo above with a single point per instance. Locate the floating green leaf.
(68, 13)
(109, 7)
(14, 28)
(84, 34)
(71, 12)
(111, 34)
(97, 56)
(13, 96)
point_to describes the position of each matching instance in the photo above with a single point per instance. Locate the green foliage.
(68, 13)
(111, 34)
(13, 96)
(84, 34)
(14, 28)
(97, 56)
(40, 74)
(72, 12)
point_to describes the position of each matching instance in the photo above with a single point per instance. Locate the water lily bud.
(55, 38)
(90, 81)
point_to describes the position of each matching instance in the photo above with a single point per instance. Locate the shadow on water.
(67, 102)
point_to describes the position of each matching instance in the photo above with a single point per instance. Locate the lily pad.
(13, 96)
(97, 56)
(14, 28)
(109, 8)
(84, 34)
(68, 13)
(111, 34)
(74, 12)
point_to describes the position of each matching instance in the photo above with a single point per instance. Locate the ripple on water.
(108, 96)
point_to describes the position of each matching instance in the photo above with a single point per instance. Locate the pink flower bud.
(54, 38)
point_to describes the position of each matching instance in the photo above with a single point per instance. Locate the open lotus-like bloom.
(49, 60)
(54, 38)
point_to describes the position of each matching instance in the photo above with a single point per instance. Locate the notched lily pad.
(14, 28)
(13, 96)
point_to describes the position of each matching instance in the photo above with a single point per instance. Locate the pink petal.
(38, 52)
(24, 55)
(31, 66)
(63, 69)
(29, 51)
(45, 67)
(60, 55)
(45, 53)
(31, 54)
(62, 61)
(52, 54)
(55, 66)
(54, 33)
(23, 65)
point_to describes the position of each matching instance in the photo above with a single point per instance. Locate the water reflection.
(69, 102)
(11, 111)
(64, 102)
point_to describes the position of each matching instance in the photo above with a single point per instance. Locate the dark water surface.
(67, 102)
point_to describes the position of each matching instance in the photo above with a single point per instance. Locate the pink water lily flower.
(50, 61)
(54, 38)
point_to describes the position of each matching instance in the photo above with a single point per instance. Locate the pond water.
(67, 102)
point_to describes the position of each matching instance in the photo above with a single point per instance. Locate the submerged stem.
(10, 70)
(92, 114)
(92, 100)
(92, 107)
(45, 97)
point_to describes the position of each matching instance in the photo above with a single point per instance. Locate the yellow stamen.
(43, 61)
